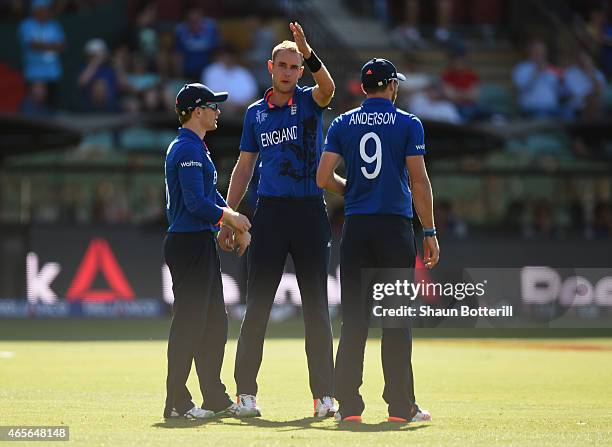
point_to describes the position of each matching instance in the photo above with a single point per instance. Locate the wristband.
(313, 62)
(429, 232)
(220, 218)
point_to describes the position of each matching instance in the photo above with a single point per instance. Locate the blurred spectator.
(585, 85)
(144, 37)
(98, 82)
(416, 80)
(263, 39)
(407, 34)
(225, 74)
(143, 85)
(462, 86)
(35, 103)
(167, 61)
(538, 84)
(600, 30)
(595, 25)
(484, 15)
(432, 104)
(42, 40)
(12, 89)
(196, 39)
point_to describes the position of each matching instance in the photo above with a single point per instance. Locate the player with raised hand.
(284, 131)
(382, 148)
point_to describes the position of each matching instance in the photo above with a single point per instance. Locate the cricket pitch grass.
(479, 391)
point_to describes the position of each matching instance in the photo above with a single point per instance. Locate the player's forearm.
(332, 183)
(336, 184)
(201, 207)
(423, 202)
(325, 82)
(241, 176)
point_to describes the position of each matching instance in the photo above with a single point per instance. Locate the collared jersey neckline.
(268, 94)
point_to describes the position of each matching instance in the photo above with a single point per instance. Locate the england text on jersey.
(279, 136)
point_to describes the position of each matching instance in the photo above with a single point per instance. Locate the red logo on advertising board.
(99, 257)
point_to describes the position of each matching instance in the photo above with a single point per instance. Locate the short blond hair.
(289, 46)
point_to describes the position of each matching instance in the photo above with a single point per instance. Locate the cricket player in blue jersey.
(195, 209)
(284, 131)
(382, 148)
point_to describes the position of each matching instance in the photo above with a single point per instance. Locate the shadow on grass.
(311, 423)
(185, 423)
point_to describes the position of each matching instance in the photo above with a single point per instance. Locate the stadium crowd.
(164, 47)
(145, 68)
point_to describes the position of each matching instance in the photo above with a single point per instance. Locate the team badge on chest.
(260, 116)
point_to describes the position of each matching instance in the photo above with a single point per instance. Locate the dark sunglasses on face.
(210, 105)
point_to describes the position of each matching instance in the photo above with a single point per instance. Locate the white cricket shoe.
(421, 415)
(247, 406)
(325, 407)
(232, 410)
(194, 413)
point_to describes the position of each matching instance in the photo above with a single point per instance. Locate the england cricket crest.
(293, 109)
(261, 116)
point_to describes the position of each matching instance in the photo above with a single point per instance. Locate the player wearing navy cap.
(382, 148)
(284, 130)
(195, 209)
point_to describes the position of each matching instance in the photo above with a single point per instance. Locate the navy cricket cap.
(378, 72)
(195, 95)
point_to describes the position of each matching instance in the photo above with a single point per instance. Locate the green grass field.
(480, 391)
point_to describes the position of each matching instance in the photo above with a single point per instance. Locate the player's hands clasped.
(236, 221)
(241, 242)
(431, 251)
(230, 241)
(226, 238)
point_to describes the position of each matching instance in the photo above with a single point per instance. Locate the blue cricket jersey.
(374, 141)
(192, 200)
(289, 141)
